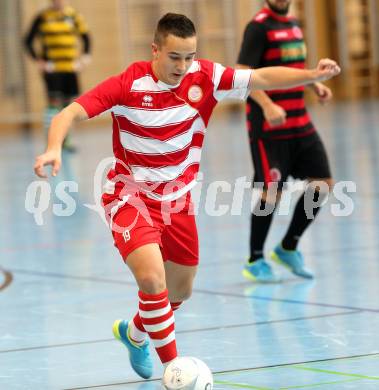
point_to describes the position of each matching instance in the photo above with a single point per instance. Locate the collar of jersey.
(66, 10)
(161, 84)
(280, 18)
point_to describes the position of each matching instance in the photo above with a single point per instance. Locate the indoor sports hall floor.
(62, 283)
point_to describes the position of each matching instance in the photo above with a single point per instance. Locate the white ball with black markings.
(187, 373)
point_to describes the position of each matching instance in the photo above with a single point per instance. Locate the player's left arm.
(278, 77)
(323, 92)
(86, 58)
(84, 34)
(58, 130)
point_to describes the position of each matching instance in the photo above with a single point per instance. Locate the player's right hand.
(53, 158)
(326, 69)
(274, 115)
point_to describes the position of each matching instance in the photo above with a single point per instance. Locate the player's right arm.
(31, 35)
(58, 130)
(250, 56)
(29, 43)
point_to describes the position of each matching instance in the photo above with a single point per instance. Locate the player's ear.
(154, 50)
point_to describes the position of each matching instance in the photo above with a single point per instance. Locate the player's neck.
(155, 70)
(277, 12)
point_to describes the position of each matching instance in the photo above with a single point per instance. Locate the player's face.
(279, 6)
(172, 59)
(58, 4)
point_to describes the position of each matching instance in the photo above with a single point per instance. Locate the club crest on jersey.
(68, 20)
(195, 93)
(147, 101)
(297, 32)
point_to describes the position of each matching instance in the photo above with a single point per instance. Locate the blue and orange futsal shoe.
(139, 355)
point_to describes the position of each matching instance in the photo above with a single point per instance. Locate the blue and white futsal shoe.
(260, 271)
(293, 260)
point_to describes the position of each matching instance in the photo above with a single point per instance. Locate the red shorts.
(142, 221)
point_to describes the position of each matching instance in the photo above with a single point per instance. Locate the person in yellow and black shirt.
(59, 29)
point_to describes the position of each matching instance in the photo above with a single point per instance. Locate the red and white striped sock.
(175, 305)
(137, 332)
(158, 320)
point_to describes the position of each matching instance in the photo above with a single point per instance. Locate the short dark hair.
(175, 24)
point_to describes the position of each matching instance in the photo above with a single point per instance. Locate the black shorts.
(61, 85)
(301, 158)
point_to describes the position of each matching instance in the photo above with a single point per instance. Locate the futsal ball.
(187, 373)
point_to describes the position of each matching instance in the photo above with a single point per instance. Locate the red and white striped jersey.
(158, 129)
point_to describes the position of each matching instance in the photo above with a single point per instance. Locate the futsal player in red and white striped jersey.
(160, 112)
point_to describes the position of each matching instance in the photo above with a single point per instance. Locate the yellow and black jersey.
(59, 32)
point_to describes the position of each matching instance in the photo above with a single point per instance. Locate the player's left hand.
(50, 157)
(85, 59)
(323, 93)
(326, 69)
(82, 62)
